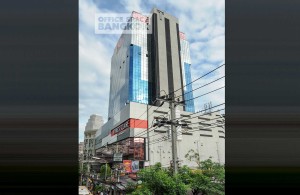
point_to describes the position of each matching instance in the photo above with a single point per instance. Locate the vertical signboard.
(135, 166)
(127, 166)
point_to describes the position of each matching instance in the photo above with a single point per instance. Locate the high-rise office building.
(145, 66)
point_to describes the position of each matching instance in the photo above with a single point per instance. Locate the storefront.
(131, 149)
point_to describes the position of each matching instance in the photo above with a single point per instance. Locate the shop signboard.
(129, 123)
(135, 166)
(120, 128)
(118, 157)
(127, 165)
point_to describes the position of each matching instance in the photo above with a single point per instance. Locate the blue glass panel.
(188, 94)
(138, 88)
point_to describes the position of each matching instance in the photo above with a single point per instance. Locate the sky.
(202, 21)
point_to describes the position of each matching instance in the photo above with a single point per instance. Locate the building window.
(204, 135)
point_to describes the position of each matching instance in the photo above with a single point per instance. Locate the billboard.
(135, 166)
(127, 166)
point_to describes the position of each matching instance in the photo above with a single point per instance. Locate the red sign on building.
(140, 17)
(120, 128)
(130, 123)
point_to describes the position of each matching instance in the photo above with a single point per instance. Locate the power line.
(187, 124)
(205, 114)
(159, 140)
(142, 115)
(164, 138)
(143, 133)
(202, 111)
(201, 86)
(197, 79)
(205, 94)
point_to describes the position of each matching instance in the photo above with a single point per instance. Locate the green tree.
(100, 187)
(200, 183)
(130, 187)
(185, 174)
(213, 170)
(105, 170)
(157, 166)
(211, 179)
(193, 156)
(142, 190)
(159, 182)
(83, 169)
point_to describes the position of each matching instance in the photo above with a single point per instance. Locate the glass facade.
(138, 88)
(187, 77)
(119, 76)
(188, 94)
(129, 70)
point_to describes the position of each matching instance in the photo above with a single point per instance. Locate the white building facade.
(131, 133)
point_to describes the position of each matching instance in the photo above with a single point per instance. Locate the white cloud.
(95, 52)
(133, 5)
(211, 51)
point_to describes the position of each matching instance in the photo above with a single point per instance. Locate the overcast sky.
(202, 21)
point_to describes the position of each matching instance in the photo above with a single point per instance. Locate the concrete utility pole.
(148, 137)
(173, 124)
(174, 138)
(218, 152)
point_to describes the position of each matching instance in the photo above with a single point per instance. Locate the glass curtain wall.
(187, 77)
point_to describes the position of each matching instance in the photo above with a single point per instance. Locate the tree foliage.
(83, 169)
(105, 168)
(210, 180)
(130, 187)
(101, 188)
(159, 182)
(193, 156)
(142, 190)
